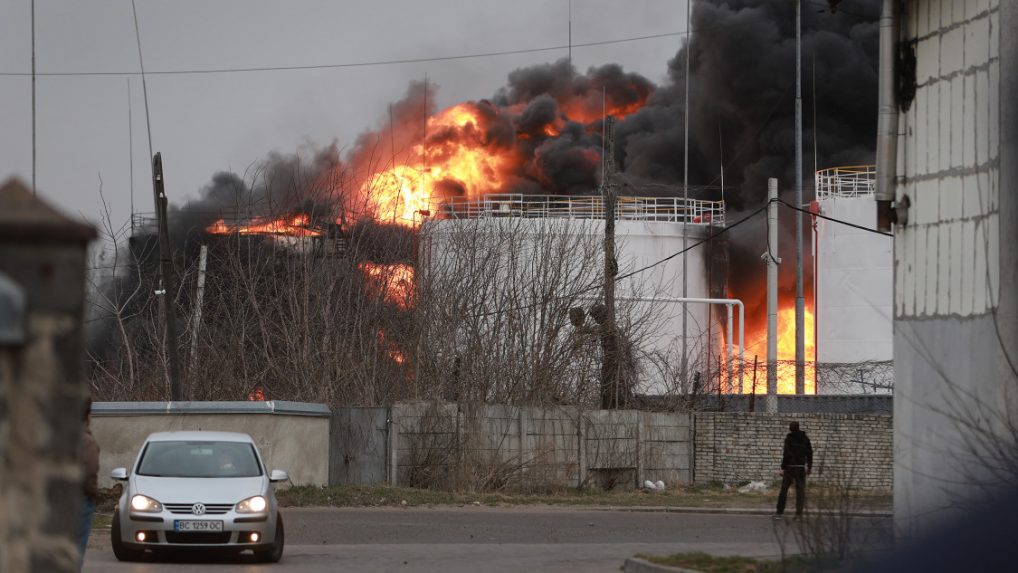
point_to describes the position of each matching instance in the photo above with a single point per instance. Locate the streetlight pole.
(684, 365)
(800, 310)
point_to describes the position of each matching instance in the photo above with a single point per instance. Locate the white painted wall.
(854, 279)
(640, 244)
(949, 162)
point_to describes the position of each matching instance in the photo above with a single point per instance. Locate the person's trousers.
(797, 475)
(87, 513)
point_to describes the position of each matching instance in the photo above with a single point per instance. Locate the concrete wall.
(442, 445)
(290, 436)
(499, 446)
(739, 447)
(492, 446)
(956, 303)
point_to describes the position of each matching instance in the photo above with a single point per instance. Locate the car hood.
(204, 490)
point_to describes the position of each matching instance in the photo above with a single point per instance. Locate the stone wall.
(740, 447)
(42, 386)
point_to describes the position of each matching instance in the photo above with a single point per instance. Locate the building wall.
(295, 439)
(955, 283)
(734, 448)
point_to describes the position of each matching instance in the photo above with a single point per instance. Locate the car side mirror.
(119, 474)
(278, 475)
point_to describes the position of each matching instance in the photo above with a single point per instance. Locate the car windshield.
(199, 460)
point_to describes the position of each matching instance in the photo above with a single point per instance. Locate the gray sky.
(210, 122)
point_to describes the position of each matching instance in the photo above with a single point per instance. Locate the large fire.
(756, 343)
(464, 154)
(295, 226)
(461, 158)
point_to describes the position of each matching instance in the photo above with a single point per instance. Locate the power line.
(397, 61)
(355, 64)
(808, 212)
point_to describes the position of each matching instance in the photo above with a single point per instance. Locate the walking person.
(89, 480)
(796, 464)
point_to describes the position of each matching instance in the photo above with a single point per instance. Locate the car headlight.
(256, 504)
(146, 504)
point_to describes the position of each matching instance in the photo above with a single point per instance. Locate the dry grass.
(711, 496)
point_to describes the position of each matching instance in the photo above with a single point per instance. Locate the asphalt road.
(491, 540)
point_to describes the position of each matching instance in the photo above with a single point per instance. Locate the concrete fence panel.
(665, 449)
(291, 436)
(358, 446)
(551, 446)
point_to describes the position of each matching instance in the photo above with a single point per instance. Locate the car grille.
(210, 508)
(202, 537)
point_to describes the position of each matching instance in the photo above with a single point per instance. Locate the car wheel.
(274, 553)
(120, 550)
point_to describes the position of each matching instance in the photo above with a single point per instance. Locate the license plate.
(188, 525)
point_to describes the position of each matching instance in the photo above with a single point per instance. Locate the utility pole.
(610, 390)
(684, 364)
(800, 304)
(771, 256)
(199, 297)
(570, 37)
(33, 98)
(166, 286)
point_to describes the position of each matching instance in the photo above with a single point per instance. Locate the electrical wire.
(371, 63)
(770, 255)
(808, 212)
(397, 61)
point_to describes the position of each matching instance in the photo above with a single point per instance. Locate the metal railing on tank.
(853, 181)
(662, 209)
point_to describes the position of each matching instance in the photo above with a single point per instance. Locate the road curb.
(637, 565)
(728, 510)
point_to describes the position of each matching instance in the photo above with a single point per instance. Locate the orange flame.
(458, 156)
(394, 352)
(461, 158)
(296, 226)
(394, 283)
(756, 342)
(257, 395)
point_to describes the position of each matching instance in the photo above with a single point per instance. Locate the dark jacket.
(798, 450)
(89, 465)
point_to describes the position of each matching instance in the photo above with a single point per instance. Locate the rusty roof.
(27, 218)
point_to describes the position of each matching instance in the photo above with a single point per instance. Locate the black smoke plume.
(741, 80)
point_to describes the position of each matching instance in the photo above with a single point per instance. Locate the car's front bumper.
(160, 531)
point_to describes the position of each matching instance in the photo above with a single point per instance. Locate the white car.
(206, 490)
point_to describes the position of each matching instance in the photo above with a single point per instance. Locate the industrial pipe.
(729, 302)
(887, 114)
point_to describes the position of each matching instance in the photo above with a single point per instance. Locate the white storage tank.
(648, 230)
(853, 289)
